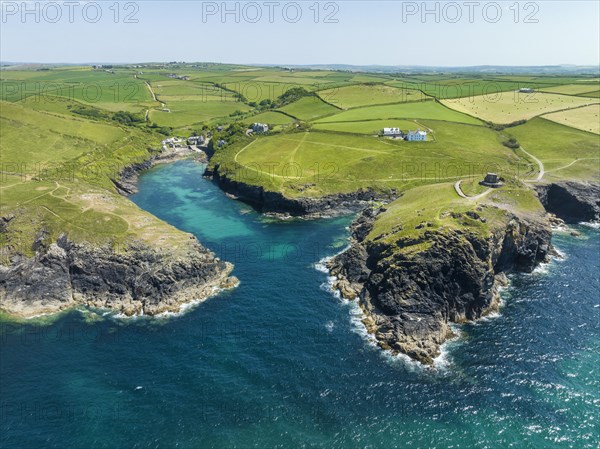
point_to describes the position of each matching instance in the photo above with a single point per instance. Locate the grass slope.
(566, 153)
(419, 110)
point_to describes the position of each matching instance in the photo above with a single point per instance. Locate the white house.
(260, 127)
(417, 135)
(392, 132)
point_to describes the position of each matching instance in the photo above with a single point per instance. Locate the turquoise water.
(280, 362)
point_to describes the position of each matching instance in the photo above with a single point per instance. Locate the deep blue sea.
(280, 362)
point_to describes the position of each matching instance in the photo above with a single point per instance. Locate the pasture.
(572, 89)
(419, 110)
(586, 118)
(567, 153)
(269, 117)
(316, 163)
(509, 107)
(309, 108)
(458, 88)
(190, 112)
(363, 95)
(369, 127)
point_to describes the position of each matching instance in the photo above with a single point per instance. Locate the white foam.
(181, 310)
(591, 224)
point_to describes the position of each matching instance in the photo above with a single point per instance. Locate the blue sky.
(358, 32)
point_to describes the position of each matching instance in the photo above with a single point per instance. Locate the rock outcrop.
(571, 201)
(410, 297)
(139, 280)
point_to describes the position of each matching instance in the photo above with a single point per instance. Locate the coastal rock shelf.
(139, 280)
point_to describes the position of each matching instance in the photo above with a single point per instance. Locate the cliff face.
(141, 280)
(410, 297)
(571, 201)
(275, 202)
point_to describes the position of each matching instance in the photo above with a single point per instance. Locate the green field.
(309, 108)
(190, 112)
(110, 91)
(419, 110)
(73, 143)
(369, 127)
(364, 95)
(57, 176)
(572, 89)
(270, 117)
(350, 162)
(567, 153)
(457, 88)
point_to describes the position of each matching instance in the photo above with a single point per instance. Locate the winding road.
(462, 194)
(540, 166)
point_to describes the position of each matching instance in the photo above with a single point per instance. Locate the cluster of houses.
(411, 136)
(176, 142)
(178, 77)
(196, 140)
(259, 128)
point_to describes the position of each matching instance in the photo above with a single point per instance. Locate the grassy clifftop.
(57, 173)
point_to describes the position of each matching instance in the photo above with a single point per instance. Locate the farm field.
(458, 88)
(269, 117)
(513, 106)
(57, 174)
(363, 95)
(566, 152)
(595, 94)
(342, 163)
(369, 127)
(586, 118)
(309, 108)
(189, 112)
(572, 89)
(423, 109)
(97, 88)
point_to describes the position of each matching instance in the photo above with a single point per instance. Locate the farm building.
(260, 127)
(418, 135)
(392, 132)
(491, 180)
(526, 90)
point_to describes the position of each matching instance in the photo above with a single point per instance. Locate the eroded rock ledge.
(139, 280)
(410, 298)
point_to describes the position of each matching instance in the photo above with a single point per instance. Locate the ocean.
(281, 362)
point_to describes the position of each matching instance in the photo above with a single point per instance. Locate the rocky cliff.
(274, 202)
(571, 201)
(411, 291)
(138, 280)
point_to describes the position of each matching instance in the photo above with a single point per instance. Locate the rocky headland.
(143, 275)
(412, 290)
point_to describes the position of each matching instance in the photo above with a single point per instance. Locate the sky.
(461, 33)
